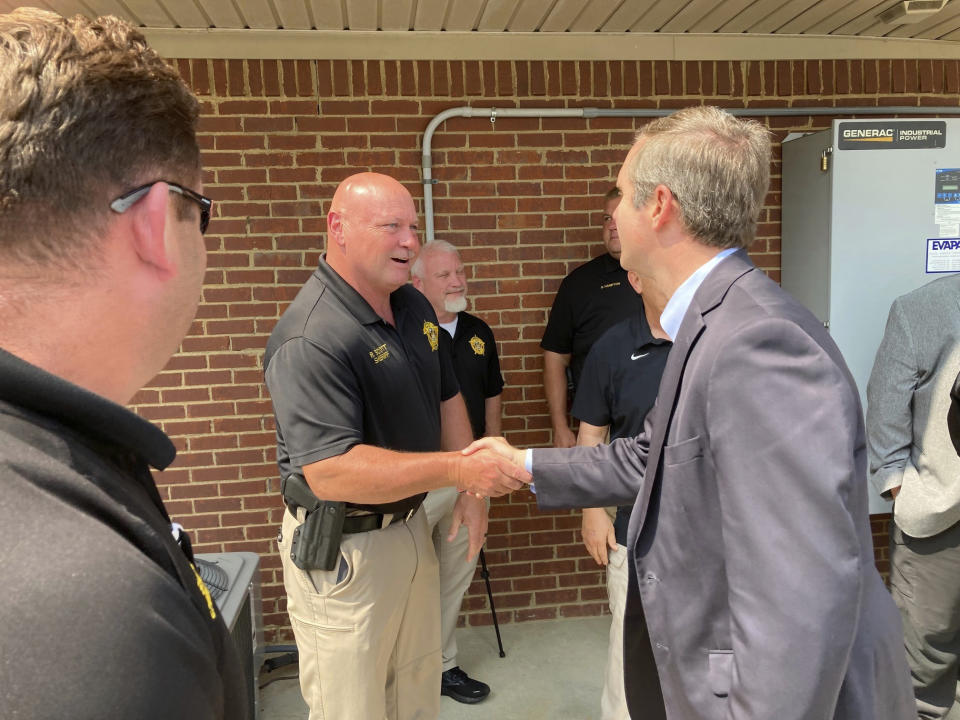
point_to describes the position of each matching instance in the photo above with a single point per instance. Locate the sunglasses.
(128, 199)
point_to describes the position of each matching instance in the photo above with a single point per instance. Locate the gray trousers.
(925, 584)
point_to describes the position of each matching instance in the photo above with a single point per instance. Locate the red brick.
(341, 78)
(242, 107)
(408, 80)
(271, 78)
(325, 78)
(661, 77)
(359, 77)
(784, 78)
(912, 76)
(234, 77)
(553, 78)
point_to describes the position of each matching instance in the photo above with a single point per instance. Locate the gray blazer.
(750, 543)
(953, 415)
(908, 398)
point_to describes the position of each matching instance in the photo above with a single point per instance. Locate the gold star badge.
(431, 331)
(477, 345)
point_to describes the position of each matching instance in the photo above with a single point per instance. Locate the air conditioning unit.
(233, 580)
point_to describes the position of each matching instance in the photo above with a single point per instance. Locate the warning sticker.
(947, 202)
(943, 255)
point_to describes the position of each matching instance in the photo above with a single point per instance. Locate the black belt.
(375, 521)
(297, 494)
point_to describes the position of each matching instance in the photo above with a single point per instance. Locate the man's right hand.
(501, 447)
(598, 534)
(563, 437)
(487, 473)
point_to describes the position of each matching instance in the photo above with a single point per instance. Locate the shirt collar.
(679, 302)
(610, 263)
(642, 335)
(451, 327)
(350, 298)
(28, 387)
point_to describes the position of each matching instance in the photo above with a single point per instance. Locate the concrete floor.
(553, 671)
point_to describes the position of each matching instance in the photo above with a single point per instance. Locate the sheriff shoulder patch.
(432, 333)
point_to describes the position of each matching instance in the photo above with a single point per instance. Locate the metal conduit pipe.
(493, 113)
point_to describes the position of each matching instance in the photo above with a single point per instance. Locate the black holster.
(316, 541)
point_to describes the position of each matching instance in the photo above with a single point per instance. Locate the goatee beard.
(455, 304)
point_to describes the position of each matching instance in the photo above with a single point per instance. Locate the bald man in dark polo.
(365, 398)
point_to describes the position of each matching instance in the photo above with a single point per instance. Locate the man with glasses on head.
(101, 263)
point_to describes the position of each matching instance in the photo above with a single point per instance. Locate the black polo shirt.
(619, 385)
(340, 376)
(477, 366)
(591, 299)
(103, 615)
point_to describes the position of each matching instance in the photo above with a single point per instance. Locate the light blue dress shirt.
(679, 302)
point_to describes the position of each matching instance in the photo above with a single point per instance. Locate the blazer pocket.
(683, 451)
(720, 671)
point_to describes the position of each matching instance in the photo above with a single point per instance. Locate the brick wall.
(520, 197)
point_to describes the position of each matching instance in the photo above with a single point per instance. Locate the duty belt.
(297, 494)
(375, 521)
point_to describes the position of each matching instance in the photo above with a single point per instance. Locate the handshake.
(489, 467)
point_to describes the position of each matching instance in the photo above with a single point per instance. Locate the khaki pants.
(367, 632)
(456, 573)
(613, 703)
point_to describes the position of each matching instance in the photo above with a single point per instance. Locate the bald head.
(372, 235)
(363, 189)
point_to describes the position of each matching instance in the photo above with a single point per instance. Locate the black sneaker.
(456, 684)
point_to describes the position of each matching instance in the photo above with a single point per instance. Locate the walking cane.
(485, 574)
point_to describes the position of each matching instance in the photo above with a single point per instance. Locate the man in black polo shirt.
(364, 396)
(101, 262)
(439, 274)
(618, 386)
(590, 299)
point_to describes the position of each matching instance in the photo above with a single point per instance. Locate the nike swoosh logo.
(634, 356)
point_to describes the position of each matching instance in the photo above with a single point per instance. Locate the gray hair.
(433, 246)
(716, 166)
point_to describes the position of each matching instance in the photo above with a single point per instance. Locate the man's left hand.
(472, 512)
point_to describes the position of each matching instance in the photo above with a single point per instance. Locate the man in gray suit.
(953, 414)
(913, 461)
(751, 552)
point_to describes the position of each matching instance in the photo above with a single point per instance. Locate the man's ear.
(662, 206)
(335, 227)
(148, 225)
(417, 282)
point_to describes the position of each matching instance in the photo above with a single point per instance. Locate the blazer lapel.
(666, 403)
(708, 296)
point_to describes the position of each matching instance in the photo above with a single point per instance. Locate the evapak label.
(892, 135)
